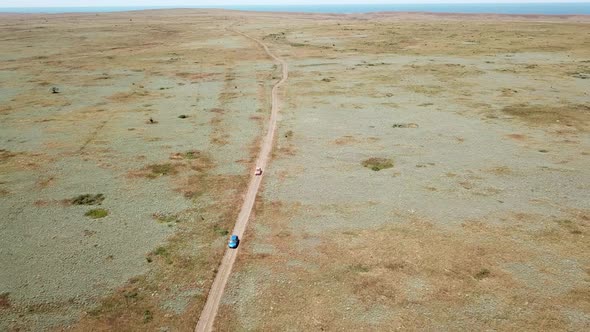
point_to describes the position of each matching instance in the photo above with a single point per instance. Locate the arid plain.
(430, 172)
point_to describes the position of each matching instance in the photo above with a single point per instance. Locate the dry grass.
(571, 115)
(433, 35)
(4, 301)
(157, 170)
(499, 170)
(195, 160)
(5, 155)
(154, 171)
(429, 90)
(411, 274)
(353, 140)
(400, 269)
(445, 72)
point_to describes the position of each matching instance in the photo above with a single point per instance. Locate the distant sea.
(500, 8)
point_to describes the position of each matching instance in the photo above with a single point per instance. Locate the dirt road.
(216, 292)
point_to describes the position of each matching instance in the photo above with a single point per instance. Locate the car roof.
(234, 236)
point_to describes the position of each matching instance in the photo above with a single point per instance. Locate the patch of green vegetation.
(405, 125)
(359, 268)
(161, 251)
(192, 154)
(97, 213)
(130, 295)
(158, 170)
(574, 115)
(394, 266)
(147, 316)
(88, 199)
(275, 36)
(289, 134)
(571, 226)
(220, 230)
(429, 90)
(183, 116)
(482, 274)
(166, 218)
(377, 164)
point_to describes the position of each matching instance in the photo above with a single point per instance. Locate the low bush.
(377, 164)
(97, 213)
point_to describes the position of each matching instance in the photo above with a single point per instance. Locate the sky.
(104, 3)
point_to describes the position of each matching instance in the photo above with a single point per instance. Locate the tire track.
(207, 318)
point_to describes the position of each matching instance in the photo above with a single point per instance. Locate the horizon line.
(307, 5)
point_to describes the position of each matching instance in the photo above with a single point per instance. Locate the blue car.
(234, 241)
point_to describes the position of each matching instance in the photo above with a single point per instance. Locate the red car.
(258, 171)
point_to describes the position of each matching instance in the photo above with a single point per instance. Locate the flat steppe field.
(430, 172)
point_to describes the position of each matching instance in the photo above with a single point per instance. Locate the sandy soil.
(482, 221)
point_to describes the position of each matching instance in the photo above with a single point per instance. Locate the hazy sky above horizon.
(103, 3)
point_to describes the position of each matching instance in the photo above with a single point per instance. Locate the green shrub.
(166, 218)
(147, 316)
(161, 169)
(97, 213)
(484, 273)
(161, 251)
(88, 199)
(377, 164)
(359, 268)
(220, 230)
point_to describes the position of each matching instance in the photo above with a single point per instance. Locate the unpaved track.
(216, 292)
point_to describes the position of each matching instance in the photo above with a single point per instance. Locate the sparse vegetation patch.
(158, 170)
(359, 268)
(147, 316)
(161, 251)
(5, 155)
(482, 274)
(405, 125)
(220, 230)
(377, 164)
(97, 213)
(4, 300)
(166, 218)
(88, 199)
(571, 115)
(571, 226)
